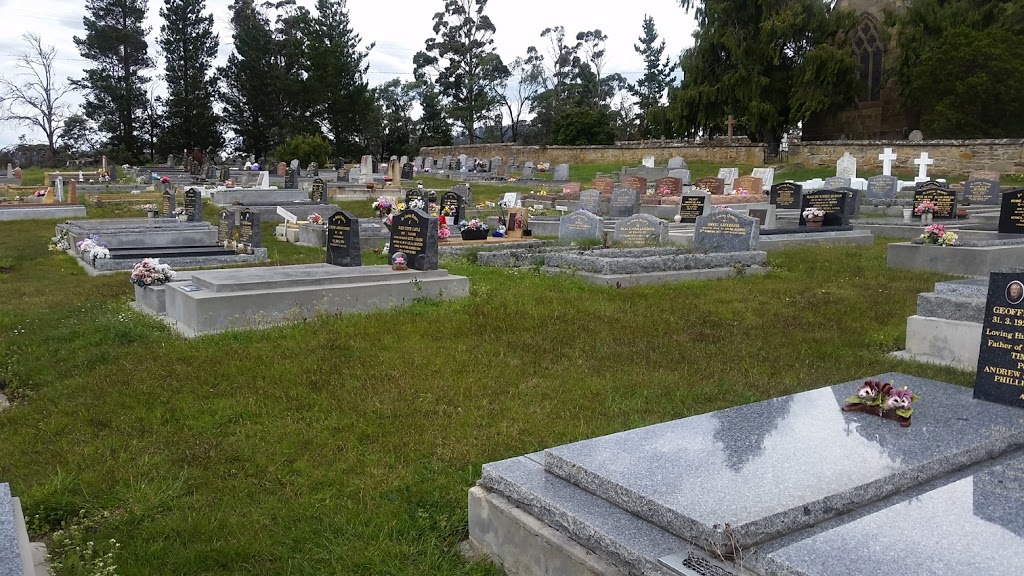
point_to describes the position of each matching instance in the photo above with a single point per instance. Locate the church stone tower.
(877, 115)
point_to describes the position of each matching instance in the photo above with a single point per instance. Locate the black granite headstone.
(249, 228)
(414, 233)
(407, 171)
(318, 192)
(1011, 212)
(168, 204)
(226, 226)
(453, 204)
(832, 202)
(852, 199)
(1000, 376)
(929, 185)
(692, 206)
(415, 194)
(944, 199)
(786, 195)
(343, 240)
(194, 205)
(624, 202)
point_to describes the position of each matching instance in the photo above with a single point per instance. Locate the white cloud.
(398, 28)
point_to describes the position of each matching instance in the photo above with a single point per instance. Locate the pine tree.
(340, 95)
(652, 86)
(115, 40)
(189, 47)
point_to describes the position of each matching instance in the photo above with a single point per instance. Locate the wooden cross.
(729, 123)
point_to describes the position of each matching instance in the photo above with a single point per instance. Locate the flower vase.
(182, 217)
(151, 215)
(926, 218)
(908, 215)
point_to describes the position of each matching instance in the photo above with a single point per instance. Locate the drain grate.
(704, 567)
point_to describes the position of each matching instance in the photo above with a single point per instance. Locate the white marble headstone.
(767, 176)
(846, 167)
(648, 161)
(728, 175)
(888, 156)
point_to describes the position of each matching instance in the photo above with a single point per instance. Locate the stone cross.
(887, 158)
(924, 162)
(729, 123)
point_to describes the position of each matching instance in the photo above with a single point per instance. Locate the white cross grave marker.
(924, 162)
(887, 158)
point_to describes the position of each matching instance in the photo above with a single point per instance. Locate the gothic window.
(867, 45)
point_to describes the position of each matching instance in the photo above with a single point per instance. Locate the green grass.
(345, 445)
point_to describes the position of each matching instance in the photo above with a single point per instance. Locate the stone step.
(15, 549)
(931, 305)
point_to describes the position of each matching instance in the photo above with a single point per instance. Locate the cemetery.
(726, 335)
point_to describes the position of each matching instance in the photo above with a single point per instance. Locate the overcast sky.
(398, 27)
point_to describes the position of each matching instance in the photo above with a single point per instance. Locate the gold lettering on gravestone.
(784, 194)
(1017, 214)
(978, 191)
(943, 202)
(337, 234)
(640, 233)
(726, 228)
(407, 237)
(691, 208)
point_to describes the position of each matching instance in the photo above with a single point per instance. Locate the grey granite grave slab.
(959, 260)
(141, 232)
(590, 200)
(882, 187)
(42, 212)
(640, 229)
(649, 260)
(825, 236)
(774, 467)
(10, 554)
(580, 225)
(725, 231)
(229, 196)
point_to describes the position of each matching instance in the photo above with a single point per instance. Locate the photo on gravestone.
(1011, 212)
(580, 225)
(343, 240)
(944, 200)
(725, 231)
(603, 185)
(832, 202)
(226, 227)
(414, 233)
(249, 228)
(668, 186)
(168, 204)
(713, 185)
(451, 207)
(882, 187)
(1000, 375)
(517, 222)
(624, 202)
(786, 195)
(640, 230)
(980, 191)
(317, 192)
(693, 206)
(590, 200)
(193, 205)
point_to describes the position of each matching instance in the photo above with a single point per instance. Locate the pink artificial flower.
(899, 399)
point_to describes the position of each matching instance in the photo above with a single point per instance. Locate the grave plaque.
(414, 233)
(343, 240)
(1011, 214)
(452, 203)
(590, 200)
(415, 194)
(193, 205)
(317, 192)
(832, 202)
(836, 182)
(640, 229)
(681, 173)
(572, 188)
(786, 195)
(226, 226)
(714, 186)
(944, 199)
(767, 176)
(929, 185)
(882, 187)
(168, 203)
(728, 175)
(749, 183)
(668, 186)
(637, 183)
(407, 171)
(249, 228)
(603, 185)
(1000, 376)
(580, 225)
(561, 173)
(624, 202)
(725, 231)
(984, 175)
(693, 206)
(980, 191)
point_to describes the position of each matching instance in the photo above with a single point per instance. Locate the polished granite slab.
(969, 524)
(749, 474)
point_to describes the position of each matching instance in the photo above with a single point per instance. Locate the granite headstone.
(693, 206)
(786, 195)
(590, 200)
(725, 231)
(249, 228)
(318, 192)
(193, 205)
(1000, 375)
(453, 204)
(640, 229)
(603, 185)
(414, 233)
(882, 187)
(226, 226)
(981, 191)
(580, 225)
(714, 186)
(624, 202)
(1011, 212)
(561, 173)
(832, 202)
(343, 240)
(944, 199)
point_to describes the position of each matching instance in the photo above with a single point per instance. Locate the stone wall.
(951, 156)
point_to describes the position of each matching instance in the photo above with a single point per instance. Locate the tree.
(115, 40)
(305, 149)
(582, 126)
(189, 47)
(520, 89)
(389, 128)
(650, 89)
(771, 64)
(462, 61)
(433, 127)
(974, 45)
(78, 136)
(33, 97)
(340, 94)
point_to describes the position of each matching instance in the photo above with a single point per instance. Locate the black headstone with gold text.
(343, 240)
(1000, 375)
(1011, 213)
(832, 202)
(944, 199)
(194, 205)
(168, 203)
(414, 233)
(249, 228)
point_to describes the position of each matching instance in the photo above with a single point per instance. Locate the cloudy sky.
(398, 27)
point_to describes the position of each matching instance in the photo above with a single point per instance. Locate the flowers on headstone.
(150, 272)
(150, 208)
(416, 204)
(926, 207)
(936, 234)
(813, 214)
(882, 399)
(315, 218)
(93, 249)
(60, 243)
(383, 206)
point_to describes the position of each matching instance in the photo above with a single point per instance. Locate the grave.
(693, 206)
(981, 191)
(561, 173)
(624, 202)
(590, 200)
(725, 231)
(750, 184)
(767, 176)
(637, 183)
(581, 225)
(343, 240)
(676, 162)
(882, 187)
(628, 267)
(944, 199)
(836, 182)
(846, 167)
(947, 325)
(193, 201)
(603, 185)
(640, 230)
(414, 233)
(15, 549)
(786, 195)
(715, 186)
(976, 253)
(683, 175)
(10, 212)
(832, 202)
(668, 186)
(318, 191)
(1011, 213)
(727, 175)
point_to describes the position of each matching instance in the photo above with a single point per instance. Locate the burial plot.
(226, 226)
(572, 188)
(714, 186)
(343, 240)
(767, 176)
(603, 185)
(944, 199)
(832, 202)
(590, 200)
(318, 192)
(668, 186)
(786, 195)
(852, 200)
(580, 225)
(249, 228)
(407, 171)
(728, 175)
(725, 231)
(641, 229)
(676, 162)
(637, 183)
(749, 183)
(836, 182)
(980, 191)
(415, 194)
(624, 202)
(168, 203)
(693, 206)
(882, 187)
(453, 204)
(1000, 376)
(561, 173)
(193, 205)
(414, 233)
(1011, 213)
(682, 174)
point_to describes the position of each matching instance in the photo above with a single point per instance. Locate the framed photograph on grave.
(518, 221)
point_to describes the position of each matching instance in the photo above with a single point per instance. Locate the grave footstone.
(561, 173)
(832, 202)
(725, 231)
(414, 233)
(676, 162)
(882, 187)
(728, 175)
(590, 200)
(786, 195)
(318, 192)
(603, 185)
(249, 228)
(715, 186)
(693, 206)
(836, 182)
(641, 229)
(668, 186)
(944, 199)
(1011, 213)
(624, 202)
(749, 183)
(226, 226)
(681, 173)
(343, 240)
(580, 225)
(846, 167)
(168, 203)
(452, 203)
(637, 183)
(999, 377)
(193, 205)
(981, 191)
(767, 176)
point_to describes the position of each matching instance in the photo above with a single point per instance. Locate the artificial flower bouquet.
(150, 272)
(936, 234)
(883, 399)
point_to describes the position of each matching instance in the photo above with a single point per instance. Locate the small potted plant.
(474, 230)
(814, 217)
(925, 210)
(180, 214)
(151, 210)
